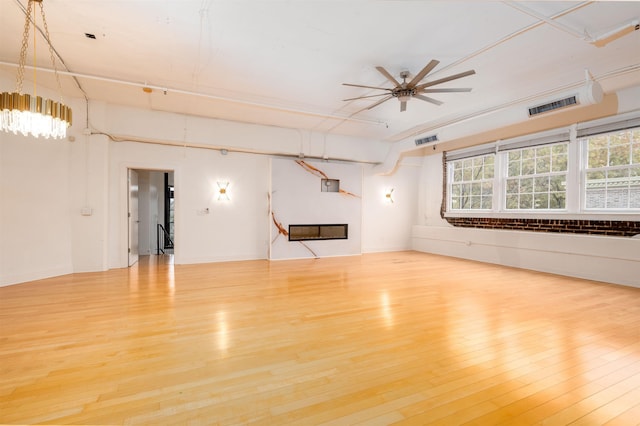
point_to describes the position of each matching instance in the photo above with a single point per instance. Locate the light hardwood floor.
(376, 339)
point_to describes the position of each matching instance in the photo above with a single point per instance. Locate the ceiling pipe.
(225, 149)
(599, 41)
(550, 21)
(609, 36)
(167, 90)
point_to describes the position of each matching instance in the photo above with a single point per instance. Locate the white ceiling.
(281, 63)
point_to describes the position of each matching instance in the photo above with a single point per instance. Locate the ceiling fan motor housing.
(403, 94)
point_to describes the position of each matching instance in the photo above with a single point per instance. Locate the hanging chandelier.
(31, 114)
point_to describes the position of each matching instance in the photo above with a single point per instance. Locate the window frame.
(504, 185)
(451, 182)
(584, 157)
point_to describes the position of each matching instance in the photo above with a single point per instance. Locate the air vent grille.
(428, 139)
(561, 103)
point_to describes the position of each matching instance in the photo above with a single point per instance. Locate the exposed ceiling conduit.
(599, 41)
(551, 21)
(226, 149)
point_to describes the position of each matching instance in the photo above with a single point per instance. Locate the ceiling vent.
(551, 106)
(427, 139)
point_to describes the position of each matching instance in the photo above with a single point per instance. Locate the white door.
(133, 217)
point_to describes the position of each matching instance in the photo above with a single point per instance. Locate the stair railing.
(163, 240)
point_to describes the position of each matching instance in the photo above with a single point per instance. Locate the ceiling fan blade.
(386, 98)
(466, 89)
(388, 76)
(374, 105)
(422, 74)
(363, 97)
(428, 99)
(366, 87)
(445, 79)
(403, 106)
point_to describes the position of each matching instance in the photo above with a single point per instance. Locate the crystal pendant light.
(31, 114)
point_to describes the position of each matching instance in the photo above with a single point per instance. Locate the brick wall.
(616, 228)
(594, 227)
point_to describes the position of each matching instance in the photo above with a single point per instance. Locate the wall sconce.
(388, 196)
(223, 193)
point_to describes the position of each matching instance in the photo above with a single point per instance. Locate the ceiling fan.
(405, 91)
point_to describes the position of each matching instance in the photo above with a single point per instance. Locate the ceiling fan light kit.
(406, 91)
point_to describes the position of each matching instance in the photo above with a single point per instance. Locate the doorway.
(150, 213)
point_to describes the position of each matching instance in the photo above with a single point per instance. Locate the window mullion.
(449, 184)
(499, 181)
(574, 178)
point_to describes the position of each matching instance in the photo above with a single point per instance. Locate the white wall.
(35, 214)
(181, 129)
(234, 229)
(387, 225)
(609, 259)
(229, 231)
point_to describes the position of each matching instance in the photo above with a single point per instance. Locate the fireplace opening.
(318, 232)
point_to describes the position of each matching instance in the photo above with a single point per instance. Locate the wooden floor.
(406, 338)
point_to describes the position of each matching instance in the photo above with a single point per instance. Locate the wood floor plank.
(406, 337)
(551, 393)
(629, 416)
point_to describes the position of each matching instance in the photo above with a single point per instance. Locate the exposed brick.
(591, 227)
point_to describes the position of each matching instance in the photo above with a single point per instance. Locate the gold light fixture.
(388, 195)
(31, 114)
(223, 193)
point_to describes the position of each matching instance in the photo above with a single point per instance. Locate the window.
(472, 183)
(537, 178)
(585, 169)
(612, 170)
